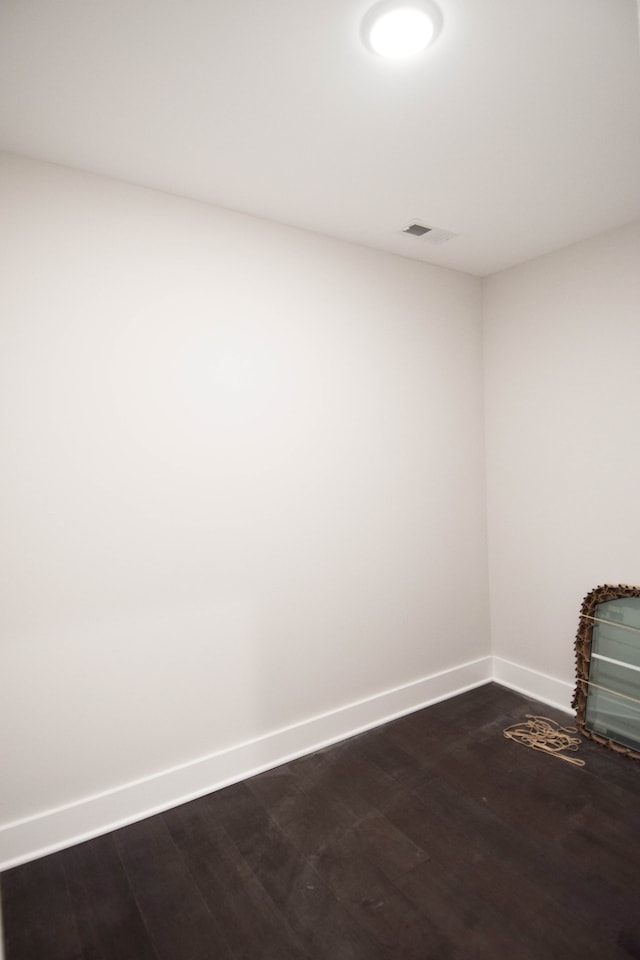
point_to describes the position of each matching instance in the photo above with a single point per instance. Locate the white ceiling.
(519, 130)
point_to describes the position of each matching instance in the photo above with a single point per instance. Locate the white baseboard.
(532, 683)
(61, 827)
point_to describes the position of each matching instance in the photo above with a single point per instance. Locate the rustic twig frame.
(584, 638)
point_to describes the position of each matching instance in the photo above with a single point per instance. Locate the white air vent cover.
(427, 234)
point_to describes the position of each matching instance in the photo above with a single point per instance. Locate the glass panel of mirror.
(613, 699)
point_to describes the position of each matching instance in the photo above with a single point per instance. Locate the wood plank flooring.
(431, 838)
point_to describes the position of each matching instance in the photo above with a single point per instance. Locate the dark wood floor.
(431, 838)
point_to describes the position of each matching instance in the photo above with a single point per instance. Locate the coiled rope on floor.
(541, 733)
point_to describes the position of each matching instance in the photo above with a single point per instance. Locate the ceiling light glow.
(401, 28)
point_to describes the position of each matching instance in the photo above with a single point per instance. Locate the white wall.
(242, 479)
(562, 356)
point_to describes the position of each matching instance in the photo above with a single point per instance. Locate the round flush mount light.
(401, 28)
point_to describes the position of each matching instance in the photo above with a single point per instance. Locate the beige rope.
(541, 733)
(616, 693)
(610, 623)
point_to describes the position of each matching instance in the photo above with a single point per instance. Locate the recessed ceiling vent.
(429, 234)
(417, 230)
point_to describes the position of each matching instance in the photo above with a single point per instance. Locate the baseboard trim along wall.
(61, 827)
(532, 683)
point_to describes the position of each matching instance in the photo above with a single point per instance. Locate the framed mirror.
(607, 693)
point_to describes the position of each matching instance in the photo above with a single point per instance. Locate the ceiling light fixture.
(401, 28)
